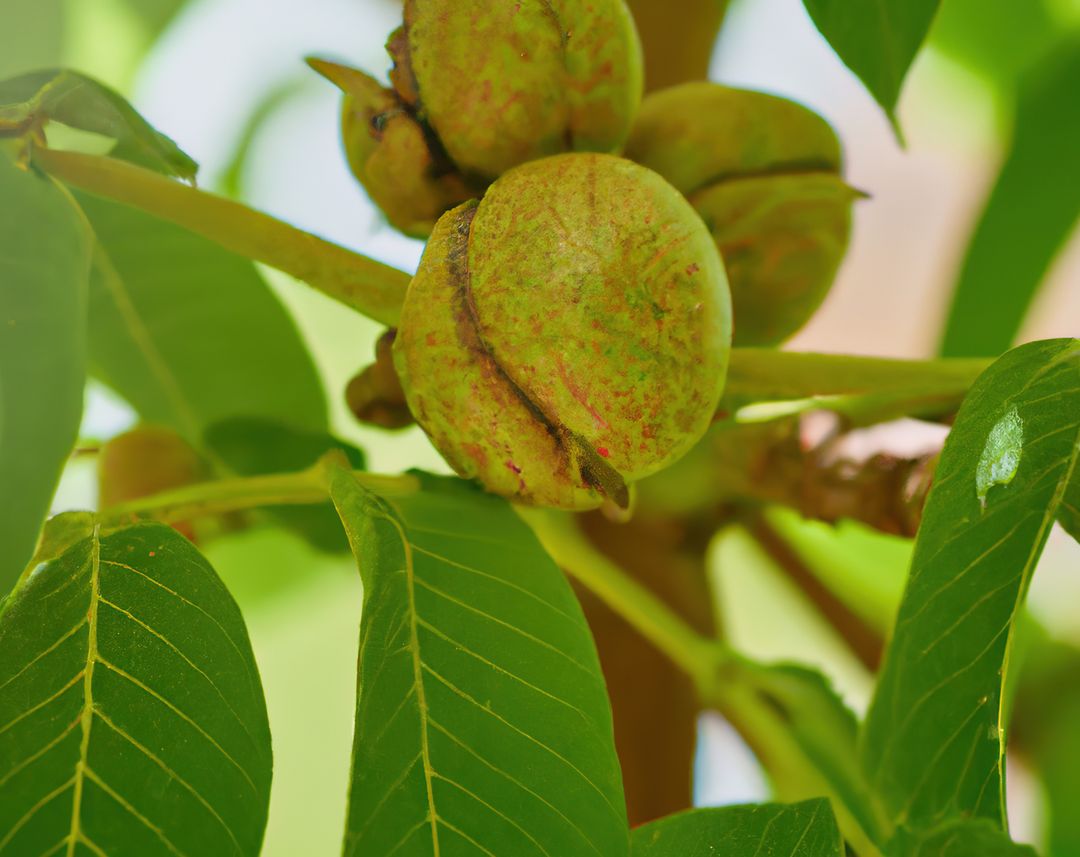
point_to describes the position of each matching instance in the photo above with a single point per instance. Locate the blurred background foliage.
(981, 205)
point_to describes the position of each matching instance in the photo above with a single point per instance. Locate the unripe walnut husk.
(765, 175)
(481, 87)
(568, 334)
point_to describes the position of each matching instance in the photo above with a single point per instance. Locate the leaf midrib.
(86, 717)
(418, 679)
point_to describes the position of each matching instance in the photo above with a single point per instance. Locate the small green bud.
(374, 394)
(480, 87)
(764, 173)
(568, 334)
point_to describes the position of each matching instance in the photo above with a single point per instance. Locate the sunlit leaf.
(132, 719)
(482, 726)
(876, 39)
(44, 260)
(934, 739)
(72, 99)
(1032, 210)
(189, 333)
(805, 829)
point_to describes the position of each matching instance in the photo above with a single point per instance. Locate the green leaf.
(934, 739)
(1030, 213)
(806, 738)
(876, 39)
(252, 447)
(998, 42)
(805, 829)
(482, 724)
(72, 99)
(44, 260)
(960, 838)
(132, 720)
(189, 333)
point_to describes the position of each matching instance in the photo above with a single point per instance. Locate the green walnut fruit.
(568, 334)
(481, 87)
(765, 175)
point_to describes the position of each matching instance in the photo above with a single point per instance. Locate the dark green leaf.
(44, 259)
(189, 333)
(876, 39)
(805, 829)
(1031, 211)
(934, 738)
(75, 100)
(132, 720)
(250, 447)
(960, 838)
(482, 725)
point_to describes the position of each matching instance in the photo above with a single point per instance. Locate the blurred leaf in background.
(876, 39)
(106, 38)
(198, 339)
(46, 250)
(1032, 210)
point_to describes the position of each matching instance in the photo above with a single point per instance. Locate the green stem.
(725, 681)
(222, 496)
(690, 651)
(370, 287)
(766, 374)
(378, 290)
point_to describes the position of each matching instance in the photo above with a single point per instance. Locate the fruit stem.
(724, 679)
(767, 374)
(560, 536)
(368, 286)
(218, 497)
